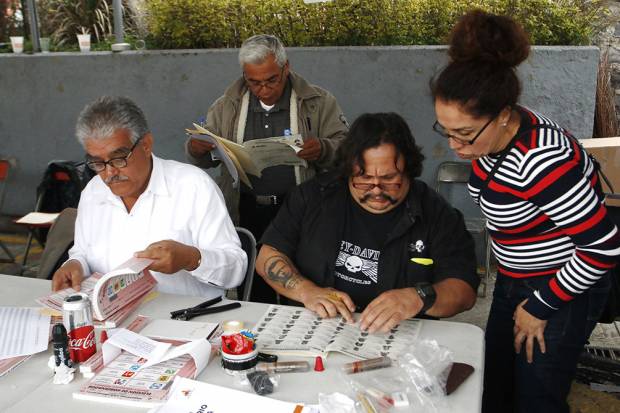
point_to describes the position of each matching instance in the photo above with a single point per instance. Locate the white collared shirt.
(181, 203)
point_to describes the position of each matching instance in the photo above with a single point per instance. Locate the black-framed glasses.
(369, 186)
(442, 131)
(270, 83)
(120, 162)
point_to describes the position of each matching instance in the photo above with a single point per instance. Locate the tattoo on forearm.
(282, 271)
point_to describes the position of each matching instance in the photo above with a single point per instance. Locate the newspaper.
(254, 155)
(116, 293)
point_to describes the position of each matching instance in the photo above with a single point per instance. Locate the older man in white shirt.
(139, 204)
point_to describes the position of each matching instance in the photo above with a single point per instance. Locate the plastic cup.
(84, 42)
(17, 43)
(44, 42)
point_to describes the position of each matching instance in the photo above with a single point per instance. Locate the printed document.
(23, 331)
(192, 396)
(154, 351)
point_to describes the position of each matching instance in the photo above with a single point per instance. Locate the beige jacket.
(327, 123)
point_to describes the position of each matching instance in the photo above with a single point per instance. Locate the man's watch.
(427, 293)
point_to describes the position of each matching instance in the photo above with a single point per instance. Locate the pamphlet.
(254, 155)
(91, 366)
(298, 331)
(138, 371)
(113, 295)
(125, 381)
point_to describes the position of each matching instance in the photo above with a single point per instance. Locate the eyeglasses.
(270, 83)
(369, 186)
(442, 131)
(121, 162)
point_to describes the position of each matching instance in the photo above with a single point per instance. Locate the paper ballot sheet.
(23, 331)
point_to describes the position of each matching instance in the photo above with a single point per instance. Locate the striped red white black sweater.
(545, 213)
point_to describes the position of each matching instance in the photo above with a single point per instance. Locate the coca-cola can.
(78, 320)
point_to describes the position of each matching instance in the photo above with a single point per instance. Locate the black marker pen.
(61, 345)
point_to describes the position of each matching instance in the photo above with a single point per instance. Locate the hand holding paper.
(170, 256)
(311, 150)
(199, 148)
(70, 275)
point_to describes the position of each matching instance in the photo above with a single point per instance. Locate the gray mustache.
(116, 178)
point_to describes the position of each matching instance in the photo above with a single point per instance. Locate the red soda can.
(78, 320)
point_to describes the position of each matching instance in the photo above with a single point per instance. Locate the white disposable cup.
(17, 43)
(45, 44)
(84, 42)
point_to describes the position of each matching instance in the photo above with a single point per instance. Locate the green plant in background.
(226, 23)
(11, 23)
(63, 19)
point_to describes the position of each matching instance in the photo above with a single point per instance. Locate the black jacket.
(309, 228)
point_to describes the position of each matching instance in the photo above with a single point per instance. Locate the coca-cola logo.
(82, 343)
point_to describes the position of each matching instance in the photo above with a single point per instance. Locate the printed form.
(23, 331)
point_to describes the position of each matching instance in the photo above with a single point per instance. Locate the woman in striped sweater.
(543, 202)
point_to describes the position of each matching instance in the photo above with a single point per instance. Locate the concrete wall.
(41, 95)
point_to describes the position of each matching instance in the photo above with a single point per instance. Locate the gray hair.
(256, 49)
(101, 118)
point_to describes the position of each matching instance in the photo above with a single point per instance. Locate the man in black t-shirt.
(371, 238)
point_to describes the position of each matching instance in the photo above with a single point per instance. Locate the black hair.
(373, 129)
(485, 50)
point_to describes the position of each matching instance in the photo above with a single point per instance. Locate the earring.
(504, 124)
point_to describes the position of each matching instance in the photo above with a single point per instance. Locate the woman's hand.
(528, 328)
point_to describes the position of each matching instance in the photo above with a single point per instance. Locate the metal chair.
(458, 173)
(248, 243)
(5, 166)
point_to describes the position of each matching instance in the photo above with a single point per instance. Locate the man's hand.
(170, 256)
(526, 329)
(70, 274)
(198, 148)
(328, 302)
(390, 308)
(311, 150)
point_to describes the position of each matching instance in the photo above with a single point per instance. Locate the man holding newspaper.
(268, 101)
(169, 212)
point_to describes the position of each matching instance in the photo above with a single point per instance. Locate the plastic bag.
(260, 382)
(416, 381)
(428, 366)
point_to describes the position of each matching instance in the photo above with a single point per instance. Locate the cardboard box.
(607, 152)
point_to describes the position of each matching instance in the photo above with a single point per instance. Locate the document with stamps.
(298, 331)
(113, 295)
(132, 369)
(124, 381)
